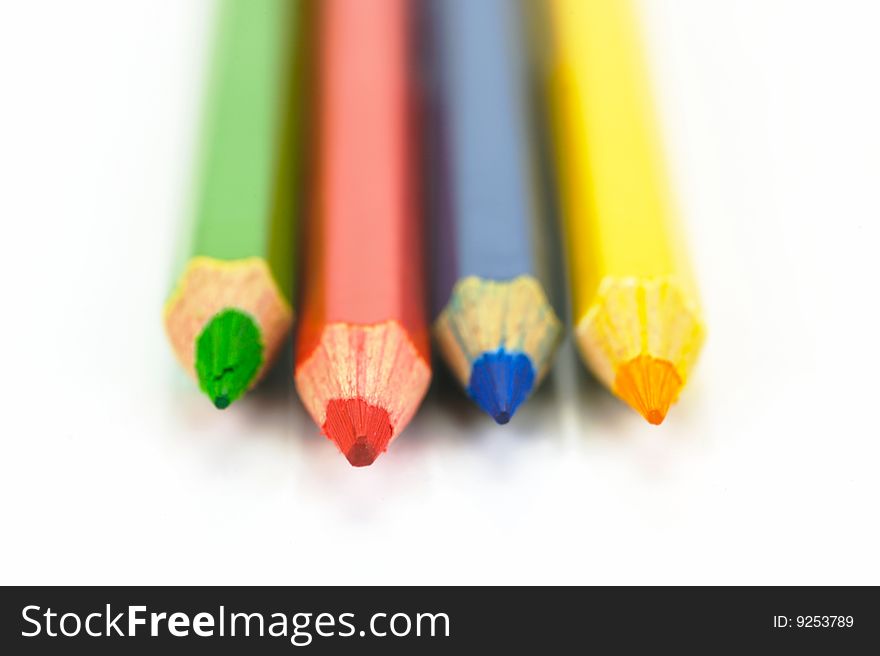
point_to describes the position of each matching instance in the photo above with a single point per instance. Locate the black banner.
(101, 620)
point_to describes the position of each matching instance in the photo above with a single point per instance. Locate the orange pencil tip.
(360, 430)
(649, 385)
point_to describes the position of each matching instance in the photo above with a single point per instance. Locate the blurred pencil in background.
(231, 307)
(635, 306)
(362, 355)
(493, 323)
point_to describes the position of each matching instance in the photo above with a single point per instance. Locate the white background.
(114, 469)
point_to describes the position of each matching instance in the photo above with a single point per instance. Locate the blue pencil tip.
(500, 382)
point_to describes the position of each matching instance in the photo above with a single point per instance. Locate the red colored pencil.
(362, 360)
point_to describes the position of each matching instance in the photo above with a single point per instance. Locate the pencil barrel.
(362, 352)
(635, 307)
(238, 270)
(483, 217)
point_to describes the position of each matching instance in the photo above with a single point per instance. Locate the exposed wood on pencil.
(499, 339)
(210, 286)
(362, 385)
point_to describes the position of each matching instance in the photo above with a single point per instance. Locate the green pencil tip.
(229, 353)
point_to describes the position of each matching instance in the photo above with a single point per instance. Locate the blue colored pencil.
(493, 323)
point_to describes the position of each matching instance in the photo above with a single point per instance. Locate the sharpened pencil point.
(229, 353)
(500, 382)
(361, 453)
(649, 385)
(360, 430)
(655, 417)
(502, 417)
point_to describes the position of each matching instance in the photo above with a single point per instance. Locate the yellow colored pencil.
(637, 319)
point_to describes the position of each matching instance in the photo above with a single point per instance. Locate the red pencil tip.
(361, 453)
(360, 430)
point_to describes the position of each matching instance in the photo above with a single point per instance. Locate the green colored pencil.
(232, 305)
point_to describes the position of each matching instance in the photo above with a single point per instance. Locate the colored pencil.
(493, 323)
(231, 307)
(638, 322)
(362, 356)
